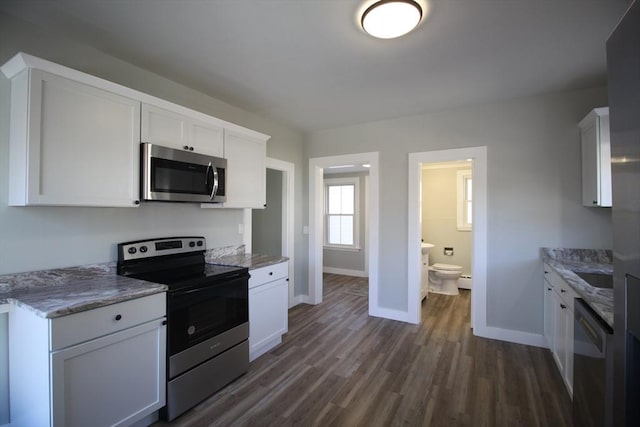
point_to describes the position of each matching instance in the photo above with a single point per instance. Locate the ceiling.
(307, 63)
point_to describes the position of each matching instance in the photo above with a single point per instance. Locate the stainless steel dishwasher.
(592, 369)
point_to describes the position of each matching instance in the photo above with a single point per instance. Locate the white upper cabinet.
(75, 139)
(172, 129)
(71, 144)
(246, 172)
(596, 158)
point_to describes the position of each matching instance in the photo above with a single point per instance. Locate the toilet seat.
(446, 267)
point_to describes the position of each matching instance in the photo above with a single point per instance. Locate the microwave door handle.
(210, 168)
(215, 182)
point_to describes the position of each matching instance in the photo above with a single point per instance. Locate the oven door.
(181, 176)
(199, 313)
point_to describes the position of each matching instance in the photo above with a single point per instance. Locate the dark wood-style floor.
(339, 367)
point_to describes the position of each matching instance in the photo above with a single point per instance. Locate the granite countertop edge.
(599, 299)
(64, 291)
(250, 261)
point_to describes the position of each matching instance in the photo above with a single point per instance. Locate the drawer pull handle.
(562, 306)
(118, 317)
(562, 291)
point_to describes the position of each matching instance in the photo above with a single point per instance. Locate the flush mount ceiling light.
(388, 19)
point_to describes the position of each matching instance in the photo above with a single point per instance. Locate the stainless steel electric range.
(207, 315)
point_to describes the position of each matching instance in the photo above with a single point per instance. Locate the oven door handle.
(188, 291)
(178, 293)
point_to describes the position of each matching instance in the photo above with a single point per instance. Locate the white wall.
(266, 223)
(38, 237)
(533, 191)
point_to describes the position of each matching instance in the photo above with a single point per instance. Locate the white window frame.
(462, 176)
(355, 181)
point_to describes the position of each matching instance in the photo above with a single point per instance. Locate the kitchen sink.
(597, 280)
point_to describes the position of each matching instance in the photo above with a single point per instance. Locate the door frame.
(479, 257)
(316, 223)
(288, 204)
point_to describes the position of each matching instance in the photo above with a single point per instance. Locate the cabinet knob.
(595, 202)
(562, 291)
(546, 272)
(190, 148)
(562, 306)
(136, 202)
(271, 273)
(186, 147)
(118, 317)
(548, 289)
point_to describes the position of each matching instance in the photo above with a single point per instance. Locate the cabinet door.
(596, 159)
(246, 171)
(170, 129)
(590, 162)
(568, 367)
(163, 127)
(83, 144)
(549, 316)
(560, 333)
(206, 138)
(115, 380)
(268, 315)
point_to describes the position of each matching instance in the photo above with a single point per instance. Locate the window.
(465, 201)
(341, 212)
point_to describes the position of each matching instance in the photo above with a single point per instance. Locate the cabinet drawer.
(263, 275)
(552, 277)
(90, 324)
(567, 294)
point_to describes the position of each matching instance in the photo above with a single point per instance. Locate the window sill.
(342, 248)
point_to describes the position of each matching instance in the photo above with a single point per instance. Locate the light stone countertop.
(62, 291)
(59, 292)
(250, 261)
(566, 262)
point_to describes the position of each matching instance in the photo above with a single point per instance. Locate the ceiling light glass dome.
(387, 19)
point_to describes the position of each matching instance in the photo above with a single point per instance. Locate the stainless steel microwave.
(172, 175)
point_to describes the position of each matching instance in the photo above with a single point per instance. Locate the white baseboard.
(300, 299)
(264, 348)
(345, 272)
(509, 335)
(391, 314)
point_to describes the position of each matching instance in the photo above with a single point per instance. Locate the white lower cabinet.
(549, 315)
(558, 323)
(268, 308)
(101, 367)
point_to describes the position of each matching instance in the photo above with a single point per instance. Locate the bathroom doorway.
(478, 159)
(447, 224)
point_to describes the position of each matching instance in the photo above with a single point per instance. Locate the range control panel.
(159, 247)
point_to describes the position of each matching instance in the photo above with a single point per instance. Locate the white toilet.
(443, 278)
